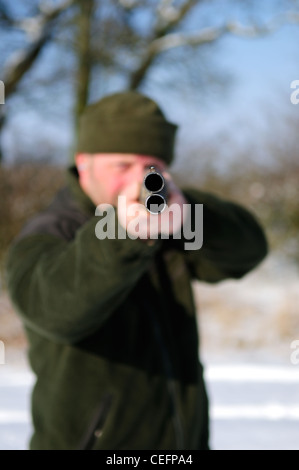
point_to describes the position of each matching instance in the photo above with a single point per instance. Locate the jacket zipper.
(95, 429)
(168, 369)
(177, 422)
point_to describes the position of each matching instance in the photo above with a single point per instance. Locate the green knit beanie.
(126, 122)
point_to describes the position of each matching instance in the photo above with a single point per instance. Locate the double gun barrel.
(153, 191)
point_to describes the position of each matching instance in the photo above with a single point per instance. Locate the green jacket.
(111, 324)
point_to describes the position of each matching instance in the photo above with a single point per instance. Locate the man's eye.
(123, 166)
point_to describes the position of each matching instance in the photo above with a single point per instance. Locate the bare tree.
(106, 36)
(39, 28)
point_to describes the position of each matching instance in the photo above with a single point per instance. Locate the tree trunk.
(2, 121)
(86, 10)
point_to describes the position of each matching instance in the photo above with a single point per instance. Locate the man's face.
(104, 176)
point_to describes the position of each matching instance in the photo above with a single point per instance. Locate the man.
(111, 322)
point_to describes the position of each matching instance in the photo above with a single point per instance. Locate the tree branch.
(5, 16)
(168, 17)
(205, 36)
(41, 28)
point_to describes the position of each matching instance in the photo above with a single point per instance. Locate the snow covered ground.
(253, 406)
(15, 426)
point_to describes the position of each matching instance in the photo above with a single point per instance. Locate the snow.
(15, 419)
(253, 406)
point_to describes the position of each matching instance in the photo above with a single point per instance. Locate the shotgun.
(153, 191)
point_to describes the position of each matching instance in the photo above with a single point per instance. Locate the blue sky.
(262, 70)
(258, 104)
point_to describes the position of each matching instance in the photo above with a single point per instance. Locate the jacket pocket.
(95, 429)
